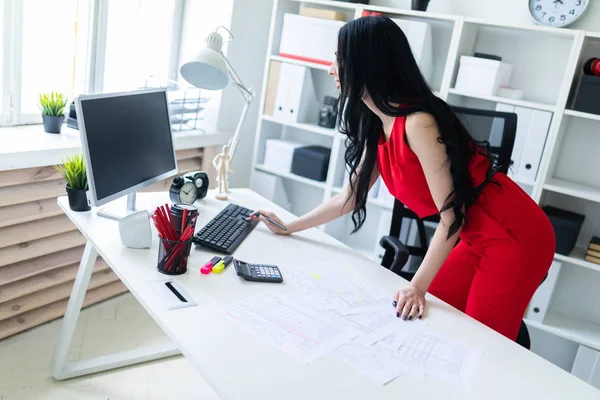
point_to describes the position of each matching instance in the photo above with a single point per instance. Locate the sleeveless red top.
(403, 175)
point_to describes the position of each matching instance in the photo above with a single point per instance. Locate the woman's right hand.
(274, 228)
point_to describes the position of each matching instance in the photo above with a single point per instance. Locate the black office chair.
(499, 130)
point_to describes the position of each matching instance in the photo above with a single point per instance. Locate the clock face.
(557, 13)
(187, 193)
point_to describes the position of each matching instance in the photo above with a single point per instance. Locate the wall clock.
(557, 13)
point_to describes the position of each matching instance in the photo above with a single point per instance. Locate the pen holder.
(173, 256)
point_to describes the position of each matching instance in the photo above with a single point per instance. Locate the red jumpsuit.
(507, 242)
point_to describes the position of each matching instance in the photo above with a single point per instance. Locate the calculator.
(258, 272)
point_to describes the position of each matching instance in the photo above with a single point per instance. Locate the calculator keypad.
(265, 271)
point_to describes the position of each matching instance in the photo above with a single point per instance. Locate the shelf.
(287, 60)
(330, 3)
(573, 189)
(519, 103)
(305, 127)
(310, 182)
(580, 114)
(577, 257)
(410, 13)
(545, 30)
(571, 328)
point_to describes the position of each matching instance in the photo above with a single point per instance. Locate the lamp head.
(208, 69)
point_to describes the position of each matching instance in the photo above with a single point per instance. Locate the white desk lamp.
(211, 70)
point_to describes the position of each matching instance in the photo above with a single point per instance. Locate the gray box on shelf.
(587, 98)
(311, 162)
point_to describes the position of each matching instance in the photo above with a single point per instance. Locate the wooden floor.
(114, 325)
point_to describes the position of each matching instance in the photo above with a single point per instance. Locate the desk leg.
(59, 366)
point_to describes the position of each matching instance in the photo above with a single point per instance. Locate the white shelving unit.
(568, 171)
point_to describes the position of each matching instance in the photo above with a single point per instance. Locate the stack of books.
(593, 252)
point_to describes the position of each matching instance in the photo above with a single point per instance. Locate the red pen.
(207, 268)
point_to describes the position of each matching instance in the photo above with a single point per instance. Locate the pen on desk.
(271, 221)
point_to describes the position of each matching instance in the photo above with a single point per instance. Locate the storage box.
(279, 155)
(567, 226)
(482, 76)
(322, 13)
(311, 162)
(309, 39)
(587, 98)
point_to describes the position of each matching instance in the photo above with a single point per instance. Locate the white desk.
(240, 365)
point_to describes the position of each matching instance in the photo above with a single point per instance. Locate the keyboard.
(225, 232)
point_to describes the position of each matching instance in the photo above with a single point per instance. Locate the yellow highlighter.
(221, 265)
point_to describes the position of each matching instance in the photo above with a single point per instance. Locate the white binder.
(540, 302)
(296, 99)
(539, 124)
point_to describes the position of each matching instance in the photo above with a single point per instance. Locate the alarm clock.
(189, 187)
(557, 13)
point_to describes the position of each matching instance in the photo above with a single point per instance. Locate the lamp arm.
(248, 95)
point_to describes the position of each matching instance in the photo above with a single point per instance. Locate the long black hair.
(374, 58)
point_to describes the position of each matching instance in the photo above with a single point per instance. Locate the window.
(139, 35)
(52, 32)
(82, 46)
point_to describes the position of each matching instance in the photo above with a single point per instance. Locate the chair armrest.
(399, 250)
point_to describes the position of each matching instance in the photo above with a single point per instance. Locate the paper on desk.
(375, 361)
(297, 332)
(434, 355)
(338, 288)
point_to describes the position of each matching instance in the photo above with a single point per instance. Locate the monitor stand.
(116, 211)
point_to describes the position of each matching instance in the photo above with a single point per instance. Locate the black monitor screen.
(129, 140)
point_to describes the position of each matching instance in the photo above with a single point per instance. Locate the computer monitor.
(127, 145)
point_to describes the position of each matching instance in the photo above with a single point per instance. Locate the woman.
(398, 128)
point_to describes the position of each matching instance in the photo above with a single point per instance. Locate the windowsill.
(28, 146)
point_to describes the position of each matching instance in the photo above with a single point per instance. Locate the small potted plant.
(73, 170)
(53, 111)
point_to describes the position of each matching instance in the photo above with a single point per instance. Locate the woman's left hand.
(410, 303)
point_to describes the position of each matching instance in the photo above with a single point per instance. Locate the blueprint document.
(340, 288)
(297, 332)
(337, 311)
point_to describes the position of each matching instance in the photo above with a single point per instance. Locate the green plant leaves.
(53, 104)
(73, 170)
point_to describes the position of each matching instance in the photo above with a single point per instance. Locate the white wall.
(201, 17)
(504, 11)
(249, 22)
(250, 25)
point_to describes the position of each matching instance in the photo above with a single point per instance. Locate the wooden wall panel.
(36, 248)
(11, 195)
(55, 310)
(28, 268)
(28, 175)
(32, 211)
(40, 249)
(35, 230)
(53, 294)
(187, 154)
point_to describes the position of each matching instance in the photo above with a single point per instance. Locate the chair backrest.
(497, 128)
